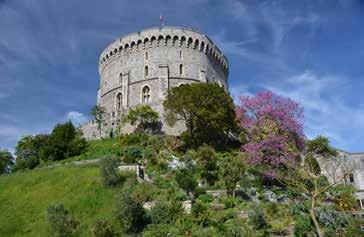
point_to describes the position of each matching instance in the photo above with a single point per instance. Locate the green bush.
(207, 162)
(102, 228)
(257, 219)
(159, 214)
(61, 223)
(186, 180)
(303, 226)
(132, 154)
(130, 213)
(206, 198)
(134, 139)
(109, 172)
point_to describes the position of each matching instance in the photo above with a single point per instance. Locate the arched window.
(181, 69)
(146, 95)
(146, 71)
(119, 101)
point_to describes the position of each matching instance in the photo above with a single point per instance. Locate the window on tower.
(146, 95)
(146, 71)
(119, 101)
(181, 70)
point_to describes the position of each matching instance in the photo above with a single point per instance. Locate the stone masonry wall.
(157, 58)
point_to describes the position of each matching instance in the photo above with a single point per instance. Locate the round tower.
(140, 67)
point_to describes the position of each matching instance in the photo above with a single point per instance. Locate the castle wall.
(154, 58)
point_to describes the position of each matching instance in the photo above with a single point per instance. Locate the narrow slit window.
(181, 70)
(146, 71)
(146, 56)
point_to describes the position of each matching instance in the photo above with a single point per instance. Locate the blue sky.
(311, 51)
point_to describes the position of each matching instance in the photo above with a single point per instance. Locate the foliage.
(109, 171)
(232, 171)
(102, 228)
(257, 219)
(132, 154)
(64, 141)
(320, 146)
(99, 113)
(130, 213)
(185, 177)
(309, 179)
(344, 197)
(28, 151)
(61, 223)
(207, 162)
(332, 219)
(159, 213)
(206, 109)
(272, 127)
(303, 226)
(6, 161)
(144, 116)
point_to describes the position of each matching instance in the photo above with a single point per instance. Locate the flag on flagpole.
(161, 18)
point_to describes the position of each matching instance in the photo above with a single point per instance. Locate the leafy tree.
(207, 161)
(185, 178)
(144, 116)
(232, 171)
(28, 151)
(206, 109)
(6, 161)
(61, 222)
(99, 113)
(309, 178)
(130, 213)
(64, 141)
(272, 129)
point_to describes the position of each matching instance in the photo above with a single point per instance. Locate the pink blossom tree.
(272, 127)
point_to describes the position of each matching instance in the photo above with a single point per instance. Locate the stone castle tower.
(140, 67)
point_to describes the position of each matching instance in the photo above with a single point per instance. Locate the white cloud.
(76, 117)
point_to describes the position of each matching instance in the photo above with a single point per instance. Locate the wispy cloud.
(326, 110)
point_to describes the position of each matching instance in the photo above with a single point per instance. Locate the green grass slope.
(25, 196)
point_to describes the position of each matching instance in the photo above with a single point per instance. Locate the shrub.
(61, 223)
(186, 180)
(200, 212)
(303, 226)
(132, 154)
(159, 214)
(136, 138)
(207, 161)
(109, 171)
(102, 228)
(257, 219)
(130, 213)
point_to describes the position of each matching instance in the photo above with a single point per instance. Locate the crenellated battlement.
(164, 37)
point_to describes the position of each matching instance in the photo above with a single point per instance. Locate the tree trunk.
(313, 217)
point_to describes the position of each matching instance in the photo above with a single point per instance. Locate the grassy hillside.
(24, 197)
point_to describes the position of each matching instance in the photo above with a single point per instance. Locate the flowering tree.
(272, 129)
